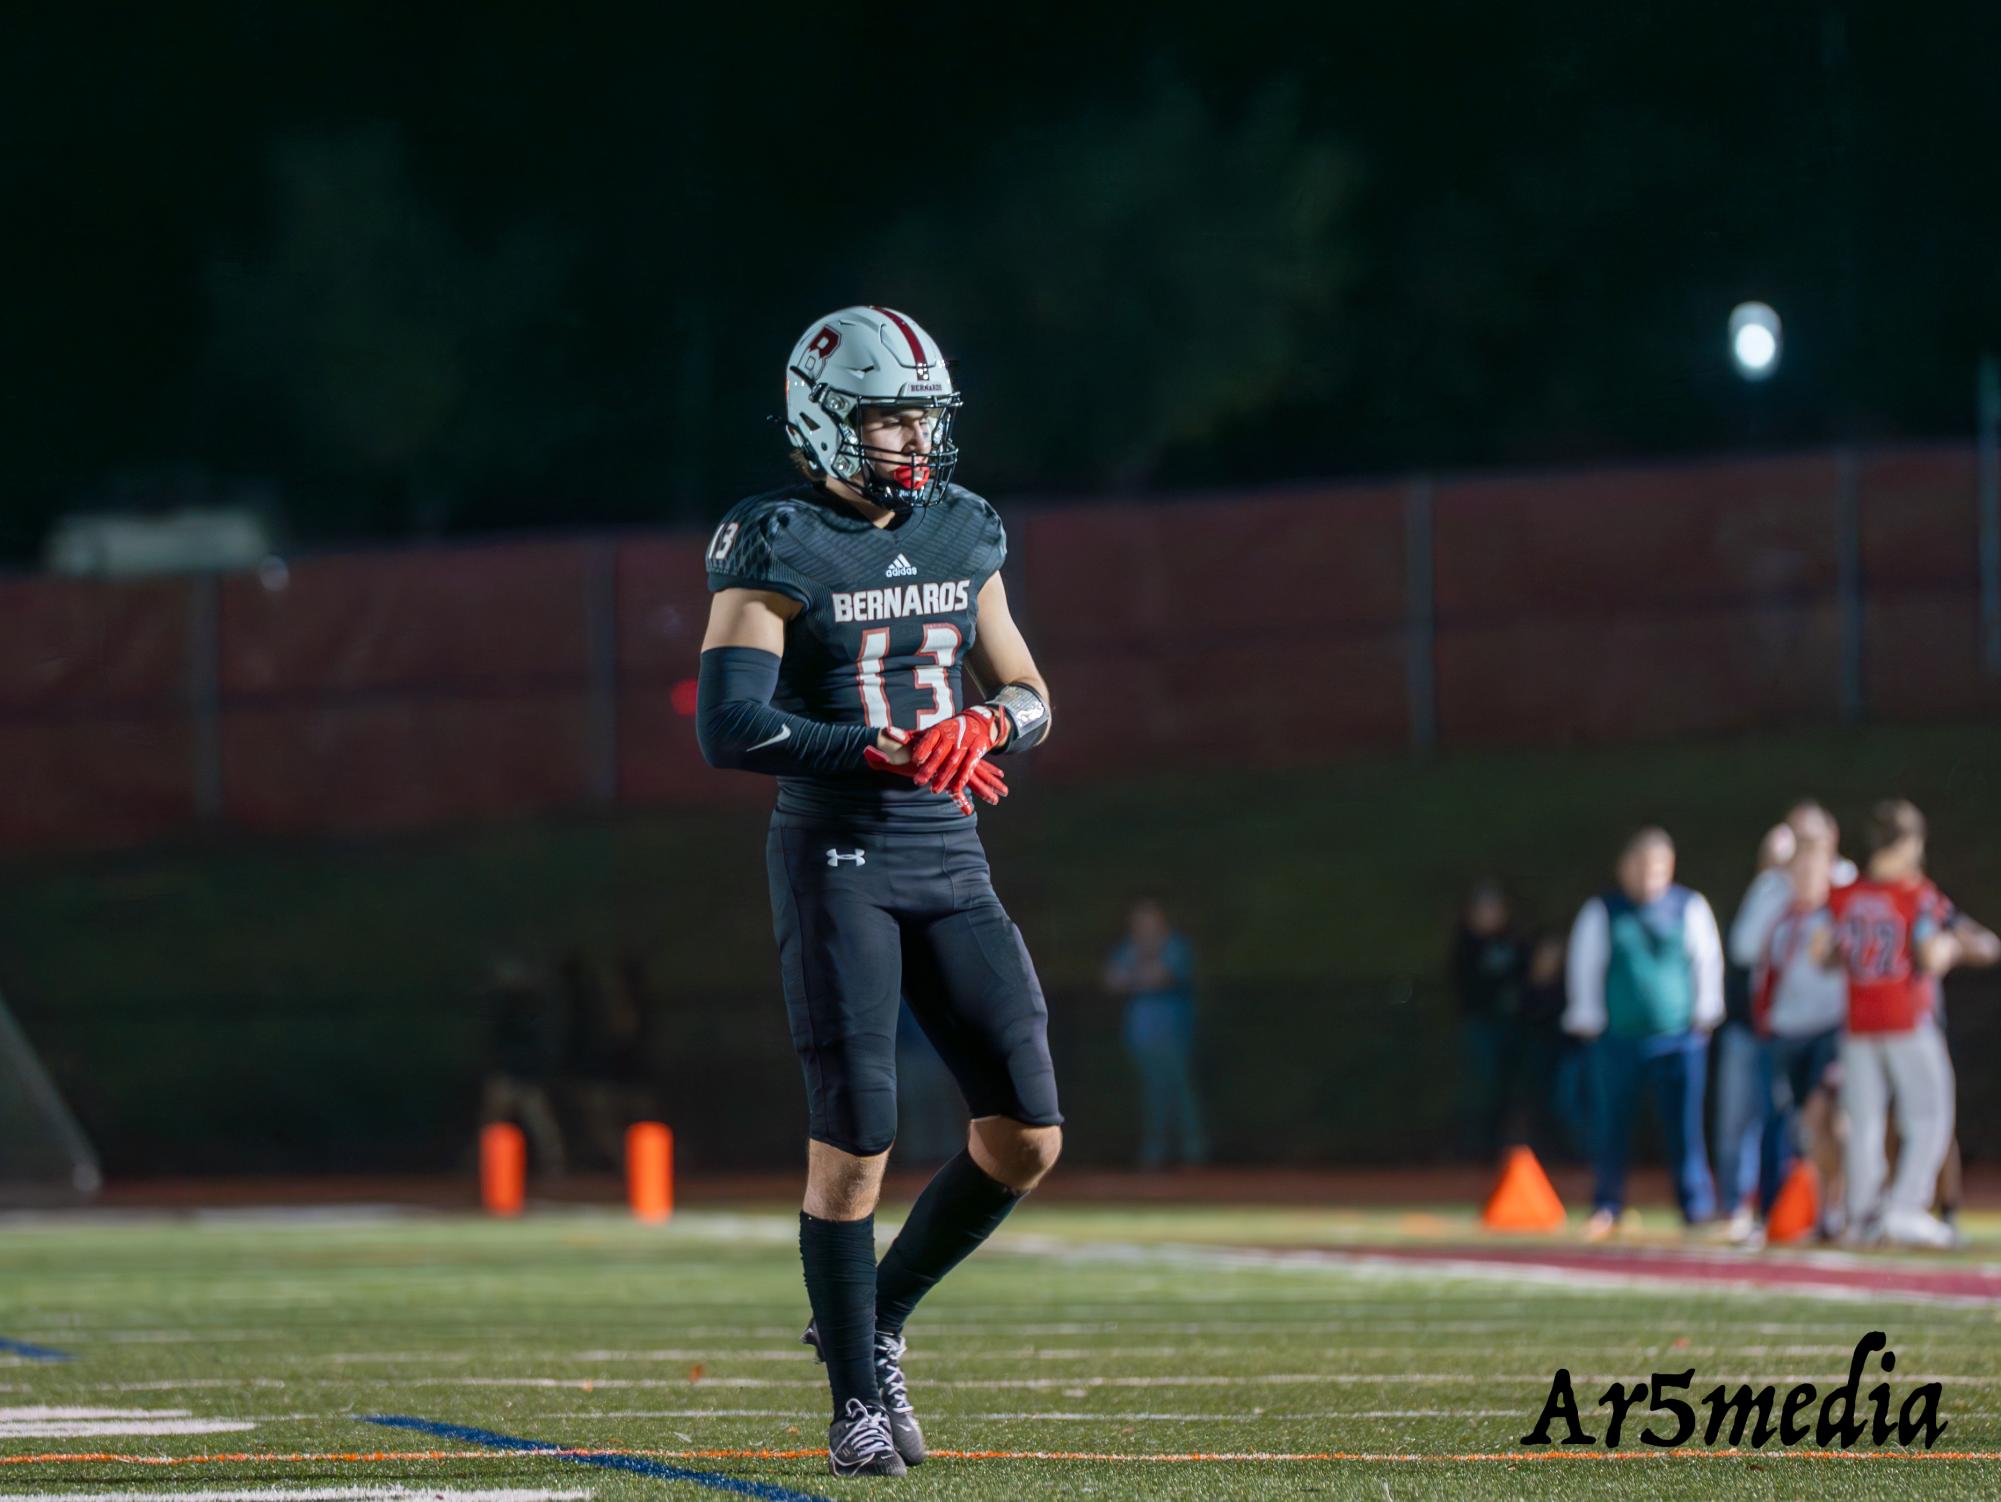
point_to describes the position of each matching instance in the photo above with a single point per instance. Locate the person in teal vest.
(1645, 974)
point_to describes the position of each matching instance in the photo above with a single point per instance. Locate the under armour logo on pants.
(835, 857)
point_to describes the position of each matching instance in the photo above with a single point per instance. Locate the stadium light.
(1754, 340)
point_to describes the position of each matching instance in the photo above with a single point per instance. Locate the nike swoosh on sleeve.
(784, 732)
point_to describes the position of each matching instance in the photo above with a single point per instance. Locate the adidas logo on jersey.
(903, 568)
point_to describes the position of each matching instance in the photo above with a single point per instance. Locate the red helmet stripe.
(916, 345)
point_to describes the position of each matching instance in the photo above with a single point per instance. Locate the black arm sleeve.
(738, 728)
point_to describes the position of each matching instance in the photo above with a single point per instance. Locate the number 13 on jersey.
(941, 644)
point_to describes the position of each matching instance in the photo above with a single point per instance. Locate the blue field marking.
(33, 1352)
(638, 1464)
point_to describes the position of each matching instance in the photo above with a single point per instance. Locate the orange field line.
(1192, 1457)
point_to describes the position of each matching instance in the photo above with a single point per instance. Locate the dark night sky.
(410, 269)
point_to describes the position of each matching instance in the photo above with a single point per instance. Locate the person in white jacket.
(1798, 1006)
(1750, 1144)
(1645, 975)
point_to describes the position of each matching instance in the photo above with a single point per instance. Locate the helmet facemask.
(912, 481)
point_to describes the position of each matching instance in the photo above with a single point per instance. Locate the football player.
(853, 611)
(1896, 934)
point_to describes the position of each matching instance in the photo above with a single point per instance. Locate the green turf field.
(1082, 1343)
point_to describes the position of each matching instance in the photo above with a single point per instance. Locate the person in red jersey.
(1896, 934)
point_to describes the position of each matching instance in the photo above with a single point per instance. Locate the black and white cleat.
(896, 1398)
(895, 1394)
(858, 1443)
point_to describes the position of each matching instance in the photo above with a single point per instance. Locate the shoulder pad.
(989, 548)
(750, 548)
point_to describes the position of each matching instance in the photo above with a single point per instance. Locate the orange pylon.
(1524, 1199)
(649, 1170)
(1796, 1211)
(503, 1168)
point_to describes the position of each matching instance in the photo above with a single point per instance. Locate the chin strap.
(1027, 715)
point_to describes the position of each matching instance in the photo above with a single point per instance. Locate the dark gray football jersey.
(890, 615)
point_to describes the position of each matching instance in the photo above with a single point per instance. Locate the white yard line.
(809, 1382)
(313, 1494)
(72, 1421)
(97, 1428)
(1376, 1319)
(1018, 1353)
(930, 1353)
(51, 1414)
(1258, 1418)
(810, 1414)
(1385, 1265)
(192, 1384)
(1639, 1364)
(943, 1332)
(1091, 1418)
(778, 1342)
(60, 1411)
(148, 1337)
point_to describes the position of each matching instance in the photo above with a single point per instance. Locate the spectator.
(1154, 970)
(1754, 1132)
(614, 1064)
(1645, 976)
(525, 1045)
(1798, 1005)
(1747, 1129)
(1551, 1072)
(1488, 963)
(1771, 891)
(1896, 934)
(1802, 1006)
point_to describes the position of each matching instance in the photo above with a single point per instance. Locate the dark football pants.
(864, 917)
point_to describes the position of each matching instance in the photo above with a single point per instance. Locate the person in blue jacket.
(1153, 968)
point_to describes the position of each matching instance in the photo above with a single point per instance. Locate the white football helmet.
(870, 357)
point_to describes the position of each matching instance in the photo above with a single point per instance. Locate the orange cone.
(1796, 1211)
(649, 1170)
(503, 1167)
(1524, 1199)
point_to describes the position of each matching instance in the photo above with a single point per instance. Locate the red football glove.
(949, 753)
(986, 781)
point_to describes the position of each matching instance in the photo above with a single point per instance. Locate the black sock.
(840, 1283)
(960, 1208)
